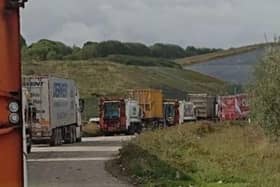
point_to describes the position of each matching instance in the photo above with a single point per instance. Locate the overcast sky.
(210, 23)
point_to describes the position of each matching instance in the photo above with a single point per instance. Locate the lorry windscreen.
(169, 110)
(111, 110)
(188, 110)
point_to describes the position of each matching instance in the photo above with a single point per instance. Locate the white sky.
(209, 23)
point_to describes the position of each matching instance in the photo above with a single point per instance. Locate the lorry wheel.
(53, 139)
(59, 137)
(131, 129)
(71, 135)
(29, 149)
(74, 135)
(139, 128)
(79, 140)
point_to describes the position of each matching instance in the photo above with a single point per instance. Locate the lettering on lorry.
(37, 83)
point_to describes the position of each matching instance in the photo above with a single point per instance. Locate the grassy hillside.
(97, 78)
(220, 54)
(202, 155)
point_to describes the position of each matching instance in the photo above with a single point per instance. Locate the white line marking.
(76, 149)
(108, 138)
(71, 159)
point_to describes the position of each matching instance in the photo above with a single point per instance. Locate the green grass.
(219, 54)
(97, 78)
(203, 155)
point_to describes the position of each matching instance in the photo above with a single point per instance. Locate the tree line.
(52, 50)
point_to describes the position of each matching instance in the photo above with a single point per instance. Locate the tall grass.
(205, 155)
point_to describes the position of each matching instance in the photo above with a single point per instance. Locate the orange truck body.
(11, 145)
(150, 101)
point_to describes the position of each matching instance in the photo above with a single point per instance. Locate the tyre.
(53, 140)
(29, 149)
(74, 134)
(131, 129)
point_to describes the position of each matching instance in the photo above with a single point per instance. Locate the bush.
(167, 51)
(47, 50)
(265, 102)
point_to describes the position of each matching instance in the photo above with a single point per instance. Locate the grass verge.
(206, 155)
(91, 130)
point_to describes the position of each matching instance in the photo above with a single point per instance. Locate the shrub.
(265, 102)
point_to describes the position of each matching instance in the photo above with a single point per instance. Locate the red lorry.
(120, 115)
(234, 107)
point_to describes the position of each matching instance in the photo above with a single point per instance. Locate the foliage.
(52, 50)
(47, 50)
(138, 49)
(167, 51)
(223, 155)
(265, 102)
(110, 48)
(193, 51)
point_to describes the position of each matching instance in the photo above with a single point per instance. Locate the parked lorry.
(58, 106)
(172, 114)
(187, 111)
(151, 105)
(233, 107)
(206, 105)
(12, 133)
(120, 115)
(28, 117)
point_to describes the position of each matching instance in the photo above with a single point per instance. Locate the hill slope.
(103, 78)
(220, 54)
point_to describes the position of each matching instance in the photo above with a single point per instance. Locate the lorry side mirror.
(82, 105)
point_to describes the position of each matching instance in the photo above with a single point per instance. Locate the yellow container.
(150, 101)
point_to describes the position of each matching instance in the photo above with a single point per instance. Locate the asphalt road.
(77, 165)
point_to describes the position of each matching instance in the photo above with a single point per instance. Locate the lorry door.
(11, 127)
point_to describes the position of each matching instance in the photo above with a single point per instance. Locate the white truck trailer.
(58, 109)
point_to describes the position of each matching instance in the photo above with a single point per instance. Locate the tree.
(193, 51)
(111, 47)
(47, 50)
(167, 51)
(265, 101)
(138, 49)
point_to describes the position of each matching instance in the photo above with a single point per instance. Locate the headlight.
(14, 118)
(13, 107)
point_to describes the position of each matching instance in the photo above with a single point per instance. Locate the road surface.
(77, 165)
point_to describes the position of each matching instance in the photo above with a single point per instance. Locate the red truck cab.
(119, 115)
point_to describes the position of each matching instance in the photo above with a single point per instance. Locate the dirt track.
(78, 165)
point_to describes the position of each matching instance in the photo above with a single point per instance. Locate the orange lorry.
(11, 125)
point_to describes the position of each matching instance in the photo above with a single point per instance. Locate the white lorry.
(58, 109)
(187, 111)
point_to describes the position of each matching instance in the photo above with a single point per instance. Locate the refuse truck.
(58, 109)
